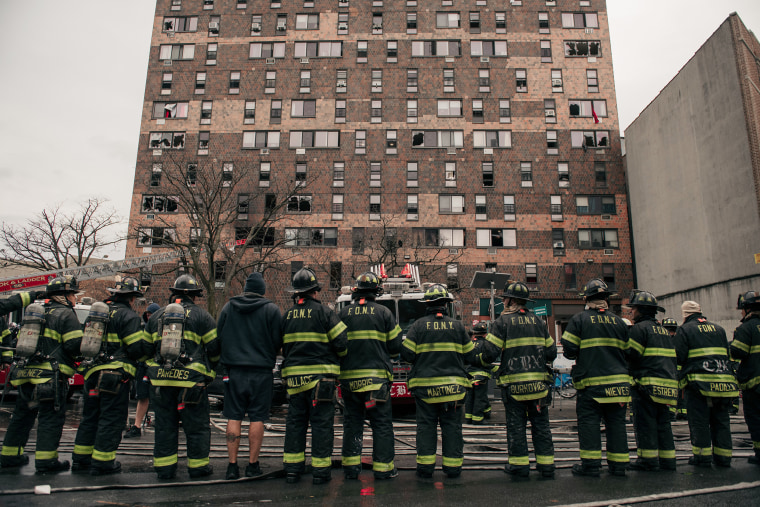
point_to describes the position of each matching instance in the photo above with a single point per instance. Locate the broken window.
(582, 48)
(170, 110)
(167, 140)
(159, 204)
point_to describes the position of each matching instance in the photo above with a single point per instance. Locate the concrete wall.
(691, 187)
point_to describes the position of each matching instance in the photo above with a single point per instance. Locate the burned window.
(583, 48)
(167, 140)
(299, 204)
(159, 204)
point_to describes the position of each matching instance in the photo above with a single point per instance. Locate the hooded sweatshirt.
(250, 331)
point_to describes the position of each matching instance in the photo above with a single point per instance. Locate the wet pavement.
(482, 482)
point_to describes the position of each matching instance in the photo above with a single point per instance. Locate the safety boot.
(113, 468)
(203, 471)
(53, 467)
(253, 470)
(698, 461)
(14, 461)
(645, 466)
(586, 471)
(517, 471)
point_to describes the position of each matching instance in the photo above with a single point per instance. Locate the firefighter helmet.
(436, 293)
(596, 289)
(669, 323)
(305, 280)
(368, 282)
(516, 290)
(186, 284)
(480, 328)
(644, 299)
(747, 300)
(127, 286)
(62, 285)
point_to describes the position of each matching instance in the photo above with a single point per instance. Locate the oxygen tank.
(94, 330)
(32, 328)
(172, 324)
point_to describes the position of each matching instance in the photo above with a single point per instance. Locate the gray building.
(693, 170)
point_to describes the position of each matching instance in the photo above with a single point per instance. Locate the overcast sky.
(73, 79)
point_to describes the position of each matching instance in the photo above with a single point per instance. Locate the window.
(570, 278)
(361, 51)
(550, 111)
(555, 207)
(234, 82)
(256, 24)
(451, 204)
(595, 205)
(412, 207)
(249, 114)
(509, 208)
(242, 4)
(588, 109)
(328, 49)
(341, 81)
(176, 51)
(270, 202)
(447, 20)
(191, 174)
(600, 174)
(180, 24)
(281, 25)
(299, 204)
(592, 80)
(360, 142)
(450, 174)
(200, 83)
(521, 80)
(204, 139)
(206, 108)
(300, 178)
(558, 242)
(159, 204)
(546, 51)
(275, 111)
(376, 111)
(339, 174)
(492, 138)
(265, 173)
(552, 148)
(450, 238)
(374, 206)
(377, 81)
(543, 22)
(170, 110)
(448, 80)
(337, 207)
(487, 174)
(474, 22)
(589, 139)
(436, 48)
(580, 20)
(342, 23)
(214, 25)
(411, 80)
(357, 240)
(211, 49)
(156, 236)
(155, 175)
(303, 108)
(411, 111)
(314, 139)
(307, 21)
(391, 51)
(307, 236)
(481, 210)
(375, 174)
(563, 172)
(608, 275)
(557, 81)
(411, 22)
(477, 110)
(488, 48)
(340, 111)
(176, 5)
(166, 83)
(167, 140)
(500, 19)
(305, 82)
(451, 107)
(531, 275)
(484, 80)
(391, 142)
(267, 50)
(412, 174)
(377, 23)
(526, 174)
(496, 238)
(244, 202)
(336, 274)
(227, 173)
(208, 5)
(505, 114)
(261, 139)
(583, 48)
(437, 138)
(597, 238)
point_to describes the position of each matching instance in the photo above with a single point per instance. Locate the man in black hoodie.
(250, 331)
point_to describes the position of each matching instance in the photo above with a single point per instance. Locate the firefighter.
(522, 341)
(14, 303)
(141, 387)
(597, 339)
(746, 348)
(186, 351)
(314, 340)
(365, 378)
(652, 363)
(438, 347)
(679, 411)
(49, 347)
(476, 404)
(702, 350)
(118, 340)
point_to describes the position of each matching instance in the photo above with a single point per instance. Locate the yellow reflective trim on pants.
(726, 453)
(755, 445)
(348, 461)
(103, 456)
(321, 462)
(477, 418)
(452, 462)
(426, 460)
(618, 457)
(701, 451)
(165, 461)
(544, 460)
(382, 467)
(667, 454)
(647, 453)
(293, 457)
(84, 450)
(591, 454)
(197, 463)
(39, 455)
(12, 451)
(519, 460)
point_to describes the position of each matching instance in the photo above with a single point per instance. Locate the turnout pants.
(302, 411)
(752, 416)
(381, 421)
(169, 411)
(590, 414)
(518, 413)
(476, 404)
(49, 427)
(654, 435)
(710, 427)
(449, 416)
(104, 416)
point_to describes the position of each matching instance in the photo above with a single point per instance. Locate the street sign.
(540, 310)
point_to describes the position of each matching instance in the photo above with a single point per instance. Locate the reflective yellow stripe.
(522, 377)
(544, 460)
(636, 346)
(647, 453)
(707, 351)
(726, 453)
(438, 381)
(382, 467)
(348, 461)
(134, 337)
(369, 373)
(103, 456)
(495, 340)
(293, 457)
(444, 399)
(165, 461)
(85, 450)
(738, 344)
(311, 369)
(519, 460)
(591, 454)
(659, 352)
(667, 454)
(336, 331)
(571, 338)
(368, 334)
(41, 455)
(426, 460)
(71, 335)
(440, 347)
(618, 457)
(321, 462)
(602, 342)
(209, 337)
(701, 451)
(12, 451)
(526, 341)
(598, 381)
(305, 337)
(452, 462)
(197, 463)
(657, 381)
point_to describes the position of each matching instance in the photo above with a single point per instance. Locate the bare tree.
(223, 219)
(56, 239)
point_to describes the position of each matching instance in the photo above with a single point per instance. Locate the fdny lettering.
(660, 330)
(361, 310)
(522, 320)
(299, 313)
(358, 384)
(434, 392)
(617, 391)
(530, 387)
(706, 328)
(298, 381)
(31, 373)
(438, 326)
(720, 387)
(668, 392)
(603, 319)
(173, 374)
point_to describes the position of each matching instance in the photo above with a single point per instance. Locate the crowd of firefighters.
(646, 365)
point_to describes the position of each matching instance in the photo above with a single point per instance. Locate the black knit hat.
(255, 283)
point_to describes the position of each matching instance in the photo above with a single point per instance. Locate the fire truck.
(402, 295)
